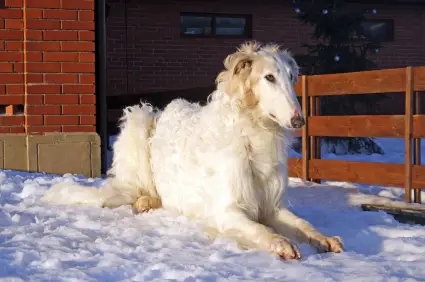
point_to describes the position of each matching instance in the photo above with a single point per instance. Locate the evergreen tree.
(342, 44)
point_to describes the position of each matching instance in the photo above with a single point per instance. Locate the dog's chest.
(264, 152)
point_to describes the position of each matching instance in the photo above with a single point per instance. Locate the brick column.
(11, 79)
(47, 69)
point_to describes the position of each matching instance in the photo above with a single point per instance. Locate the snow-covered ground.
(62, 243)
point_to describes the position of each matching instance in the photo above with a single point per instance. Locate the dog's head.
(262, 78)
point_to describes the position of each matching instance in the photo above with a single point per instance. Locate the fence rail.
(365, 82)
(410, 126)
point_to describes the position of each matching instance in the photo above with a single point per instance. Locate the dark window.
(196, 25)
(379, 29)
(223, 25)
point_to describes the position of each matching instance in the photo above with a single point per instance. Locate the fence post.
(315, 148)
(408, 119)
(417, 147)
(305, 138)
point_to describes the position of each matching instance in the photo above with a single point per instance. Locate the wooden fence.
(410, 126)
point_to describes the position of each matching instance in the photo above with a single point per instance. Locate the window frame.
(389, 23)
(247, 30)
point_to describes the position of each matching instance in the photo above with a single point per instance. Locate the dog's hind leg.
(131, 174)
(288, 224)
(147, 203)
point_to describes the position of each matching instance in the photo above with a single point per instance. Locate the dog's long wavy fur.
(223, 163)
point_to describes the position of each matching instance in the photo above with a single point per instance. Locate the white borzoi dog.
(223, 164)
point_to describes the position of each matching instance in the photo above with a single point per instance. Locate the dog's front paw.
(146, 204)
(325, 244)
(284, 248)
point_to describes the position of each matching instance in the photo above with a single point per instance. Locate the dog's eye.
(270, 78)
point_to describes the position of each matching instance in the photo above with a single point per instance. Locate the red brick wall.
(409, 36)
(53, 41)
(158, 59)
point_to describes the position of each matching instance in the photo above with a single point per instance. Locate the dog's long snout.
(297, 121)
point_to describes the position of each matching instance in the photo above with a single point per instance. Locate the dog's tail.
(130, 176)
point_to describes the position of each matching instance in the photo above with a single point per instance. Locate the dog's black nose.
(297, 121)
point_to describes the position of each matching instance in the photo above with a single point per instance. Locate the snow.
(40, 242)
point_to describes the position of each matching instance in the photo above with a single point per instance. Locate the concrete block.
(58, 153)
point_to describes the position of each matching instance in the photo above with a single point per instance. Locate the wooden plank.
(419, 78)
(408, 128)
(358, 172)
(297, 132)
(364, 126)
(418, 176)
(403, 215)
(314, 141)
(419, 126)
(417, 146)
(318, 140)
(357, 126)
(366, 82)
(298, 87)
(305, 138)
(417, 141)
(366, 172)
(294, 167)
(418, 196)
(312, 103)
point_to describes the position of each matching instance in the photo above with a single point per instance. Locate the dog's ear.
(242, 69)
(295, 69)
(242, 66)
(238, 62)
(238, 68)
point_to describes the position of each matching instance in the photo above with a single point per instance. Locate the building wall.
(148, 54)
(47, 80)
